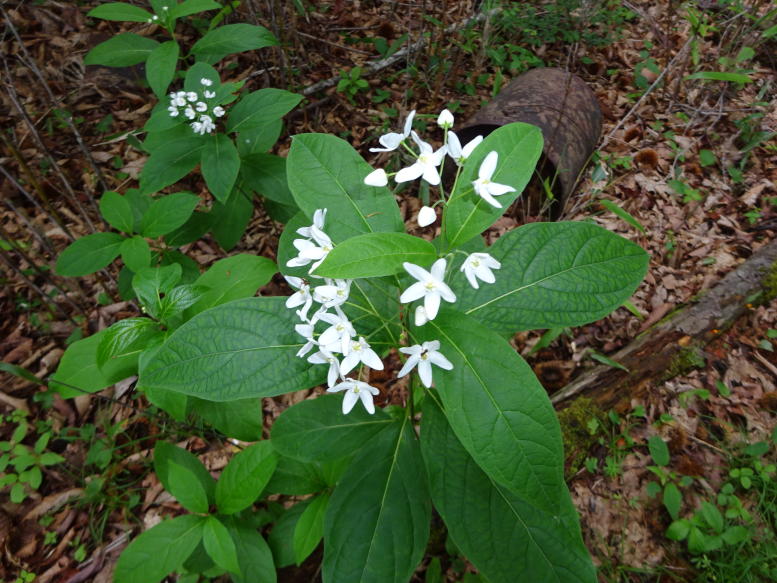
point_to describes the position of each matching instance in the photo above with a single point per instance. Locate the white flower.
(392, 140)
(458, 153)
(355, 390)
(334, 293)
(207, 124)
(376, 178)
(420, 315)
(191, 96)
(424, 355)
(425, 165)
(173, 110)
(360, 352)
(479, 266)
(445, 119)
(323, 356)
(319, 216)
(206, 82)
(190, 113)
(310, 251)
(306, 331)
(218, 111)
(178, 100)
(301, 297)
(337, 338)
(210, 95)
(486, 189)
(430, 286)
(426, 216)
(201, 106)
(197, 127)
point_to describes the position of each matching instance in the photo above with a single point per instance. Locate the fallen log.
(673, 346)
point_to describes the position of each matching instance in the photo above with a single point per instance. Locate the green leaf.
(189, 7)
(166, 455)
(678, 530)
(466, 215)
(168, 213)
(233, 278)
(160, 67)
(374, 255)
(377, 521)
(180, 298)
(719, 76)
(20, 372)
(117, 211)
(120, 11)
(167, 165)
(230, 219)
(626, 216)
(309, 529)
(89, 254)
(260, 139)
(241, 419)
(259, 108)
(735, 535)
(296, 478)
(135, 253)
(126, 337)
(712, 516)
(555, 275)
(658, 450)
(317, 430)
(245, 477)
(253, 554)
(220, 165)
(79, 373)
(326, 172)
(281, 537)
(498, 409)
(707, 157)
(151, 283)
(266, 175)
(123, 50)
(246, 348)
(672, 500)
(159, 551)
(219, 545)
(232, 38)
(186, 488)
(507, 539)
(194, 228)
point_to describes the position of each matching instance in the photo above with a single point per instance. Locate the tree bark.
(669, 347)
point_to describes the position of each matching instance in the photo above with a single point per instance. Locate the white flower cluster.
(192, 107)
(428, 159)
(336, 341)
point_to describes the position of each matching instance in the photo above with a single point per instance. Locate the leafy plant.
(351, 83)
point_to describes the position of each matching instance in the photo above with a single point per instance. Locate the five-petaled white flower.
(337, 338)
(392, 140)
(430, 286)
(426, 216)
(424, 355)
(354, 391)
(360, 352)
(301, 297)
(376, 178)
(478, 266)
(323, 356)
(311, 251)
(425, 165)
(319, 216)
(458, 153)
(334, 293)
(206, 82)
(486, 189)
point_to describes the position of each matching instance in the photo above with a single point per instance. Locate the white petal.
(432, 305)
(488, 166)
(409, 364)
(438, 269)
(470, 273)
(408, 124)
(438, 359)
(389, 142)
(410, 173)
(499, 189)
(425, 372)
(420, 316)
(349, 362)
(417, 271)
(424, 147)
(295, 282)
(484, 194)
(446, 292)
(376, 178)
(484, 273)
(414, 292)
(349, 400)
(431, 175)
(333, 373)
(344, 386)
(445, 119)
(371, 359)
(471, 145)
(366, 397)
(426, 216)
(430, 345)
(416, 349)
(454, 146)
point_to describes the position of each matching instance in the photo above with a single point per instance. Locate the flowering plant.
(369, 297)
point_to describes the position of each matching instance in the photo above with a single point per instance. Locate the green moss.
(579, 428)
(685, 360)
(770, 284)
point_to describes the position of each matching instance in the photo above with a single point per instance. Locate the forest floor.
(692, 161)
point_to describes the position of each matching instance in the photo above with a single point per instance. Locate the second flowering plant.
(410, 334)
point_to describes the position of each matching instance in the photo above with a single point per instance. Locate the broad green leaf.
(555, 275)
(466, 215)
(712, 516)
(123, 50)
(377, 521)
(232, 38)
(151, 283)
(189, 7)
(241, 419)
(317, 430)
(374, 255)
(220, 165)
(672, 500)
(167, 454)
(175, 404)
(741, 78)
(79, 373)
(186, 488)
(326, 172)
(374, 305)
(658, 450)
(231, 219)
(309, 529)
(498, 409)
(259, 108)
(117, 210)
(135, 253)
(168, 213)
(179, 298)
(253, 554)
(89, 254)
(295, 478)
(246, 348)
(260, 139)
(126, 337)
(219, 545)
(507, 539)
(120, 11)
(266, 175)
(281, 539)
(194, 228)
(159, 551)
(160, 67)
(233, 278)
(160, 120)
(167, 165)
(245, 477)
